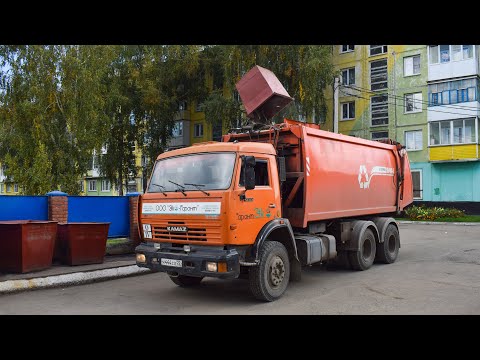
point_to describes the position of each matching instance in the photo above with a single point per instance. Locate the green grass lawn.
(115, 241)
(466, 218)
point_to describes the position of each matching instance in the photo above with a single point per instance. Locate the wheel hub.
(277, 271)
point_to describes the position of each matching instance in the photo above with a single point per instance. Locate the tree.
(59, 103)
(52, 99)
(169, 76)
(117, 154)
(304, 71)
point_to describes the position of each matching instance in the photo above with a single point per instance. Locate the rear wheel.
(387, 251)
(363, 258)
(185, 280)
(269, 279)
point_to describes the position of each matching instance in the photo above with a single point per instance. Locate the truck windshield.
(211, 171)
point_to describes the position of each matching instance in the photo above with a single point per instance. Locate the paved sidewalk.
(114, 266)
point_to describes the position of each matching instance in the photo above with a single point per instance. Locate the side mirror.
(249, 172)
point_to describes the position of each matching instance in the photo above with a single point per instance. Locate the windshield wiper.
(198, 188)
(161, 187)
(182, 188)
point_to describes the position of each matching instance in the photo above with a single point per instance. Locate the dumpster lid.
(262, 94)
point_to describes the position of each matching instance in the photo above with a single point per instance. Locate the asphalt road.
(437, 272)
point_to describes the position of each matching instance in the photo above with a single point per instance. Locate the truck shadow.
(212, 292)
(235, 292)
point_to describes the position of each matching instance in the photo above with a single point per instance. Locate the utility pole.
(394, 137)
(335, 104)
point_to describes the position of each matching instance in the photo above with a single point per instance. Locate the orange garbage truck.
(263, 203)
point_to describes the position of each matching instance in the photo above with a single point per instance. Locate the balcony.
(467, 152)
(182, 115)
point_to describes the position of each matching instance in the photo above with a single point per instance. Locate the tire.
(387, 251)
(363, 258)
(269, 280)
(186, 281)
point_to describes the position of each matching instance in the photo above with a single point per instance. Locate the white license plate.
(171, 262)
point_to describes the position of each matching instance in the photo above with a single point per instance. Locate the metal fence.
(18, 207)
(112, 209)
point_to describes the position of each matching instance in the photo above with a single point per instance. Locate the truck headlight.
(141, 258)
(147, 231)
(212, 266)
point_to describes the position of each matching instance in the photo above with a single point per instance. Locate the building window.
(177, 130)
(182, 105)
(411, 65)
(452, 92)
(95, 162)
(346, 48)
(92, 185)
(433, 54)
(105, 185)
(379, 110)
(15, 188)
(9, 188)
(378, 49)
(413, 103)
(444, 53)
(447, 53)
(82, 189)
(464, 131)
(198, 130)
(1, 188)
(378, 75)
(379, 135)
(348, 110)
(457, 52)
(461, 131)
(467, 52)
(413, 140)
(348, 76)
(417, 184)
(132, 186)
(198, 108)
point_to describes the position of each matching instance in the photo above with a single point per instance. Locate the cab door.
(254, 208)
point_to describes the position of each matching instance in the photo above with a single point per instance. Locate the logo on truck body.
(364, 178)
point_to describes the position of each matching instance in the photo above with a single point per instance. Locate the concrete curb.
(440, 223)
(78, 278)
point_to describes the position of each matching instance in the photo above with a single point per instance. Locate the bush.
(431, 214)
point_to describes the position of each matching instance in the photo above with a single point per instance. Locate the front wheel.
(185, 280)
(269, 279)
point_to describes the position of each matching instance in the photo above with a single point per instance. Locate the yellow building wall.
(360, 59)
(454, 152)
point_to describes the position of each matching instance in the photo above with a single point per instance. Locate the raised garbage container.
(80, 243)
(26, 245)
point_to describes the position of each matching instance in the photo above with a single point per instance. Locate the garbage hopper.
(26, 245)
(80, 243)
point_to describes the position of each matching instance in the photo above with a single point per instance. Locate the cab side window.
(261, 174)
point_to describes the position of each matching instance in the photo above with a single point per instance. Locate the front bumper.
(193, 262)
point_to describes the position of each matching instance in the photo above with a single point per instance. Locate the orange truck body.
(342, 176)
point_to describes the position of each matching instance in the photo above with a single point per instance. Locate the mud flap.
(295, 270)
